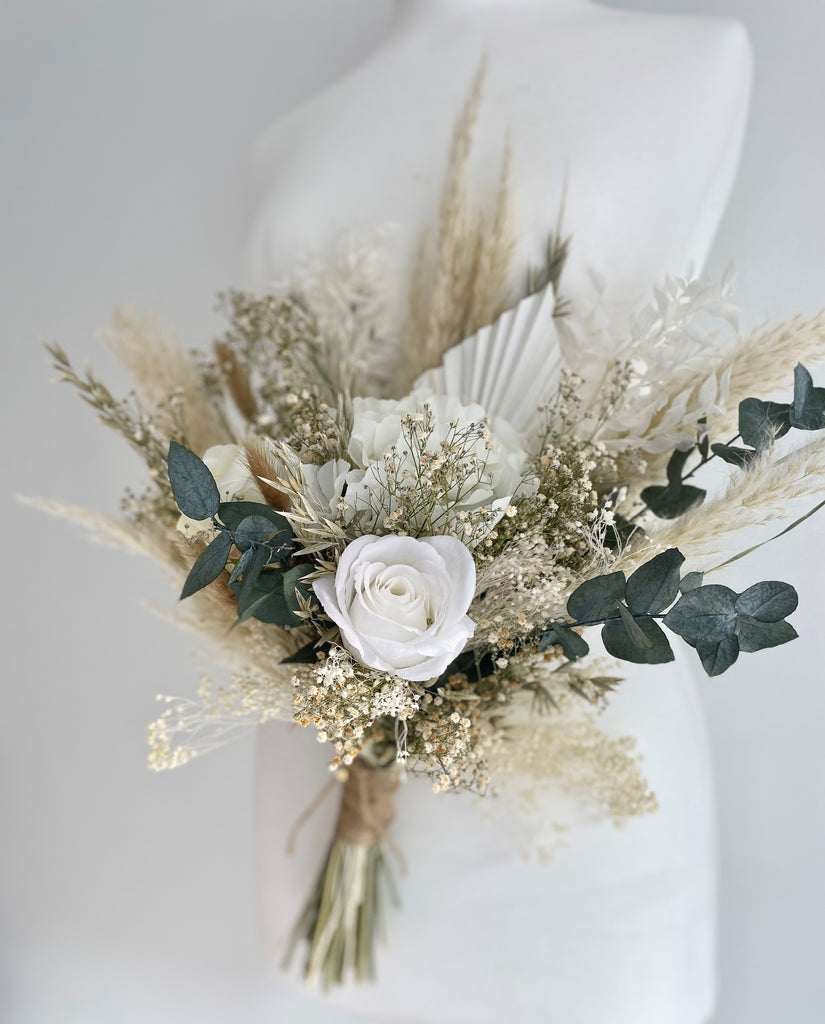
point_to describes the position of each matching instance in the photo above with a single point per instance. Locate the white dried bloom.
(401, 603)
(650, 380)
(325, 484)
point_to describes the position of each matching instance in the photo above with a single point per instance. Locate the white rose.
(227, 464)
(401, 603)
(377, 427)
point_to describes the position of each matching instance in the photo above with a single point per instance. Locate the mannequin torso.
(645, 114)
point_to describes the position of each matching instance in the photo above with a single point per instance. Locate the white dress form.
(646, 115)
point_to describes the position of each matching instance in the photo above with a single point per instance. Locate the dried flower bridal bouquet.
(404, 535)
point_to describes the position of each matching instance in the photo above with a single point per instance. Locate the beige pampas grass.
(119, 533)
(253, 650)
(763, 360)
(237, 381)
(163, 370)
(763, 496)
(492, 285)
(265, 468)
(466, 283)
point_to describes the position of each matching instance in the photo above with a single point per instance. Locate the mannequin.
(646, 114)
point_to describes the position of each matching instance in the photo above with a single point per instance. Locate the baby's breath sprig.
(276, 341)
(316, 431)
(452, 737)
(342, 700)
(428, 483)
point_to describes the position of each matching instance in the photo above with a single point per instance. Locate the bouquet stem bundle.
(343, 917)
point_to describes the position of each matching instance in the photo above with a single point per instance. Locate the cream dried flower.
(401, 603)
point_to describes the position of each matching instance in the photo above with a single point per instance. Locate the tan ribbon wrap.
(367, 804)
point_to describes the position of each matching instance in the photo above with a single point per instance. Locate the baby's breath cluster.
(518, 592)
(452, 738)
(342, 700)
(275, 353)
(563, 501)
(187, 728)
(315, 432)
(569, 748)
(434, 480)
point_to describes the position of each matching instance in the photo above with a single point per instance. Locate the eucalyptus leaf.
(756, 635)
(293, 581)
(740, 457)
(241, 565)
(634, 630)
(621, 532)
(232, 514)
(248, 589)
(261, 530)
(761, 422)
(267, 601)
(808, 410)
(618, 642)
(672, 501)
(676, 463)
(597, 599)
(768, 601)
(573, 646)
(690, 581)
(193, 486)
(705, 615)
(718, 656)
(209, 565)
(250, 610)
(704, 439)
(654, 586)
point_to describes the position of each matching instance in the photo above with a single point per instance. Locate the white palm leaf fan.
(509, 368)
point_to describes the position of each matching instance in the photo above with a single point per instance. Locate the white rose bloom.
(401, 603)
(377, 427)
(227, 464)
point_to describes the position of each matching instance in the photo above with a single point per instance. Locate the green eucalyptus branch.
(265, 585)
(760, 424)
(716, 621)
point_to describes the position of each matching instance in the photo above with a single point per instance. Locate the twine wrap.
(367, 805)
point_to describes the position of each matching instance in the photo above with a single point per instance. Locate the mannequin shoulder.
(720, 46)
(683, 52)
(696, 70)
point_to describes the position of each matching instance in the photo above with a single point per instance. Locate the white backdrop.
(125, 136)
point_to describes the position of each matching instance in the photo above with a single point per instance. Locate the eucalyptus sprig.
(266, 585)
(760, 424)
(716, 621)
